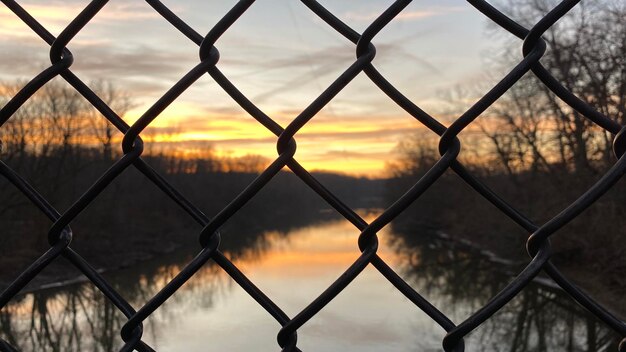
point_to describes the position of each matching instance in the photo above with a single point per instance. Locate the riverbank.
(244, 232)
(132, 220)
(609, 296)
(512, 262)
(589, 249)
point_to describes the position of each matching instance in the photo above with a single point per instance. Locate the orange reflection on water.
(331, 248)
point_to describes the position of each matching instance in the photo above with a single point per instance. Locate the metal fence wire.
(538, 244)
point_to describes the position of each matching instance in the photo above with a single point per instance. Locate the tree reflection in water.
(457, 277)
(78, 317)
(60, 320)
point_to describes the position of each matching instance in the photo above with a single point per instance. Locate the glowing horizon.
(281, 57)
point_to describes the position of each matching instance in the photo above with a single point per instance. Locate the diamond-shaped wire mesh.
(538, 245)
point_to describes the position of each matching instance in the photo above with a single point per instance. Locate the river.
(212, 313)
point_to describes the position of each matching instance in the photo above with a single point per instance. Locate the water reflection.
(541, 318)
(292, 267)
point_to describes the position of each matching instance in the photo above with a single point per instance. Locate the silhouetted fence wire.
(538, 244)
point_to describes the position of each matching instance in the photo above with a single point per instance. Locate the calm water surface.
(212, 313)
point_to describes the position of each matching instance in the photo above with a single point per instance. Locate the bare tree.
(416, 155)
(103, 130)
(56, 134)
(530, 128)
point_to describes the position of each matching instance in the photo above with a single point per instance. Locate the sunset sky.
(281, 56)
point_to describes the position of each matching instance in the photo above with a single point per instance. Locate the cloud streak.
(405, 15)
(280, 58)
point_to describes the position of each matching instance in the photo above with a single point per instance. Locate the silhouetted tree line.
(61, 145)
(535, 151)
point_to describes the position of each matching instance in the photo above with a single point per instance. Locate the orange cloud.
(349, 144)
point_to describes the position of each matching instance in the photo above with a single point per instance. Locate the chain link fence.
(538, 244)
